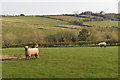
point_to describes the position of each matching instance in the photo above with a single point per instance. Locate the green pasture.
(22, 25)
(68, 18)
(107, 23)
(72, 62)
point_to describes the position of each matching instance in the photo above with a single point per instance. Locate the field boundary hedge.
(65, 44)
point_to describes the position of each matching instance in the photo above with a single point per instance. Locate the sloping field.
(103, 23)
(27, 27)
(67, 18)
(24, 25)
(69, 26)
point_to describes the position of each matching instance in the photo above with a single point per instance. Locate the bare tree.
(76, 13)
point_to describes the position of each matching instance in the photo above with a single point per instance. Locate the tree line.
(86, 36)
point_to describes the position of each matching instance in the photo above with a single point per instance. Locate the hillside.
(40, 27)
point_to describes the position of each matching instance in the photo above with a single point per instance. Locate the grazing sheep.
(101, 44)
(31, 52)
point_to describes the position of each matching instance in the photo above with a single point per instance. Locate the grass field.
(22, 25)
(103, 23)
(72, 62)
(63, 62)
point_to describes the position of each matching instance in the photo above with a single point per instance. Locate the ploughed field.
(65, 62)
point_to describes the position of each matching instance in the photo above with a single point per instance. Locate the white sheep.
(101, 44)
(31, 52)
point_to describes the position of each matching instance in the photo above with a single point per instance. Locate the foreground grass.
(76, 62)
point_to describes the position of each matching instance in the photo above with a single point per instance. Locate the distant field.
(67, 18)
(76, 62)
(103, 23)
(23, 25)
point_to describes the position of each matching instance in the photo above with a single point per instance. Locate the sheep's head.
(26, 47)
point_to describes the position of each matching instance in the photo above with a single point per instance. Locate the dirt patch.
(10, 57)
(70, 26)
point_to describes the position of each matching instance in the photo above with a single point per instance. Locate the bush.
(66, 36)
(84, 35)
(29, 38)
(9, 39)
(22, 15)
(78, 22)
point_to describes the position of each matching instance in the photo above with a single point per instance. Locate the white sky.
(59, 0)
(43, 7)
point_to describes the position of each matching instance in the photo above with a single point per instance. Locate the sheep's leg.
(26, 56)
(36, 55)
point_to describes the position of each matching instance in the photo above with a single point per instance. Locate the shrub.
(78, 22)
(9, 39)
(84, 35)
(66, 36)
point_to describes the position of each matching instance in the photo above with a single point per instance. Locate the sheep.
(101, 44)
(31, 52)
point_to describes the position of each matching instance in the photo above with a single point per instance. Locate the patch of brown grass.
(69, 26)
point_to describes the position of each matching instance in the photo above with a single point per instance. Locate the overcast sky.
(52, 7)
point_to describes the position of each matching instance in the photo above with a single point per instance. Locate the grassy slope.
(77, 62)
(103, 23)
(25, 25)
(67, 18)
